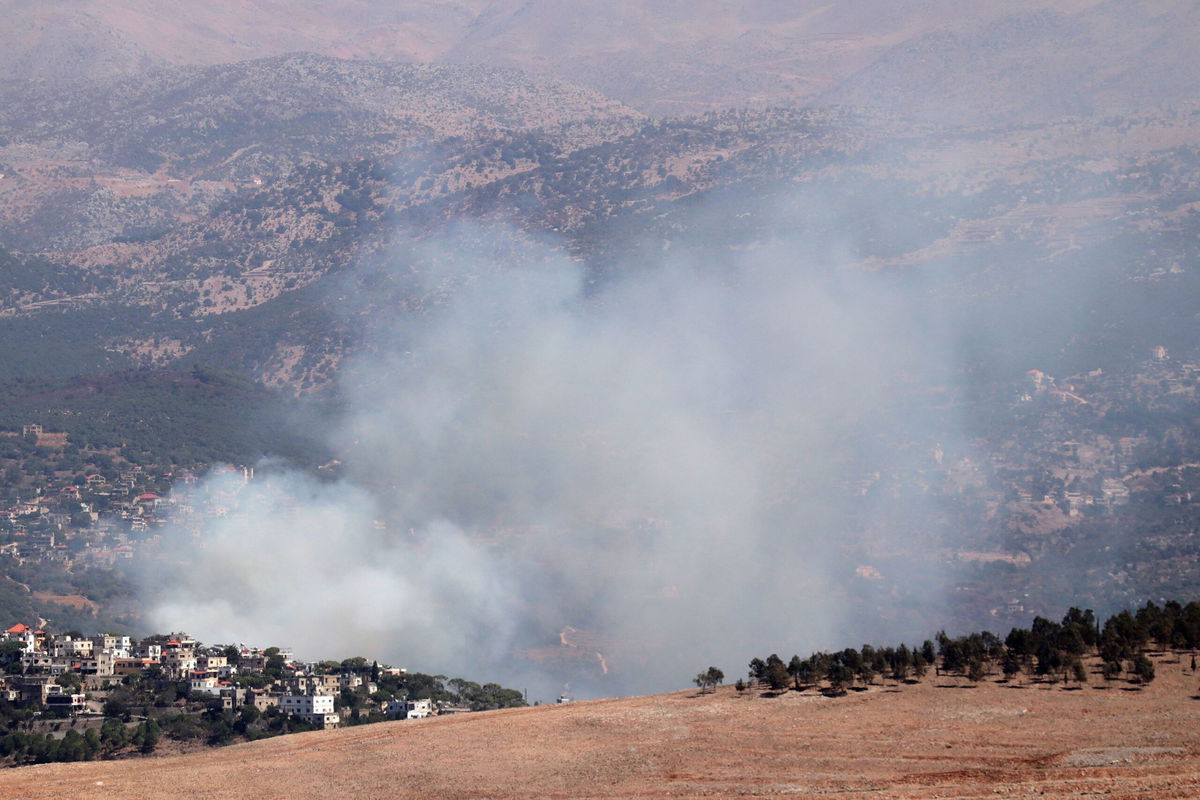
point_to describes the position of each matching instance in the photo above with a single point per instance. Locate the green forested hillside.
(197, 417)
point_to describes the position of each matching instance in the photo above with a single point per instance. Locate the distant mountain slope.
(658, 55)
(67, 41)
(673, 58)
(278, 280)
(232, 120)
(236, 30)
(1115, 58)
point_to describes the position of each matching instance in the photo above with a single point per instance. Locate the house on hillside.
(24, 634)
(409, 709)
(212, 662)
(130, 666)
(71, 703)
(264, 700)
(72, 647)
(315, 709)
(202, 681)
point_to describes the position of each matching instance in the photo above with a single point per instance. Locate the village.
(104, 519)
(72, 675)
(1061, 451)
(1103, 464)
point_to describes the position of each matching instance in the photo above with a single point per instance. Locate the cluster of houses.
(1095, 472)
(1058, 452)
(103, 660)
(101, 520)
(97, 520)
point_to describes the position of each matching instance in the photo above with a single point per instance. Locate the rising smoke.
(614, 484)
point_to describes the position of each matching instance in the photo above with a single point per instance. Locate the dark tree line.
(843, 669)
(113, 737)
(1047, 650)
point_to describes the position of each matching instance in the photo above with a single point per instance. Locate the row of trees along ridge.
(1046, 651)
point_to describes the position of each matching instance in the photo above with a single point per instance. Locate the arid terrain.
(939, 738)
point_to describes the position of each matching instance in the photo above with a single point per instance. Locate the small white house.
(312, 708)
(409, 709)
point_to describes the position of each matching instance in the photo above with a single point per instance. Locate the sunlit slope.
(936, 739)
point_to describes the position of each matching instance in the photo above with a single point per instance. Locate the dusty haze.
(661, 462)
(552, 475)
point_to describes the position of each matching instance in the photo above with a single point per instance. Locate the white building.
(101, 663)
(119, 646)
(149, 650)
(24, 634)
(313, 708)
(71, 648)
(409, 709)
(204, 682)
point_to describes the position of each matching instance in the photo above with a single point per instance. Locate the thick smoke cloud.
(550, 479)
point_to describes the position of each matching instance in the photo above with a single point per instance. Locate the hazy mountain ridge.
(239, 245)
(231, 122)
(1113, 59)
(756, 52)
(58, 44)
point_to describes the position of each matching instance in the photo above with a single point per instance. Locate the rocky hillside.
(231, 122)
(239, 247)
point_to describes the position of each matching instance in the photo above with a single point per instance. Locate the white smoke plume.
(613, 484)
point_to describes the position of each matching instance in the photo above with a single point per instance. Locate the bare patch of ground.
(76, 601)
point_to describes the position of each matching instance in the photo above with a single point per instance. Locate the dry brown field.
(935, 739)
